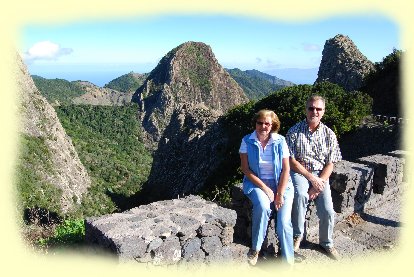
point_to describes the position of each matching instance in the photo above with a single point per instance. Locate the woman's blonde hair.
(267, 113)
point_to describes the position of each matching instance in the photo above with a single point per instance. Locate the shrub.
(71, 231)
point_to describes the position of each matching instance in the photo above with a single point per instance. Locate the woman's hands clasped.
(278, 201)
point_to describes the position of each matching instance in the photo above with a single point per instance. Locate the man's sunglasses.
(311, 109)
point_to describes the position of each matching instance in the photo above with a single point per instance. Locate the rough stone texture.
(388, 171)
(343, 64)
(368, 184)
(101, 96)
(168, 232)
(39, 119)
(351, 185)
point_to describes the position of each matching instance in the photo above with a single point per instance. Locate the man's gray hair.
(313, 98)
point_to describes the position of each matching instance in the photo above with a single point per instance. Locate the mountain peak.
(343, 64)
(187, 76)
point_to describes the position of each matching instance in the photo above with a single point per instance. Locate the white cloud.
(46, 50)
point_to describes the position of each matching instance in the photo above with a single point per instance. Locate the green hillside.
(128, 82)
(58, 90)
(257, 84)
(107, 140)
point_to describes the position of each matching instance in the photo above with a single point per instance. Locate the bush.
(67, 233)
(384, 85)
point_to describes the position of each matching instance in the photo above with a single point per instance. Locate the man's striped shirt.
(313, 150)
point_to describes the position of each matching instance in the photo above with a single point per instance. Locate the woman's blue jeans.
(262, 210)
(324, 209)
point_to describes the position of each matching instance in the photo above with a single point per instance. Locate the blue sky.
(101, 50)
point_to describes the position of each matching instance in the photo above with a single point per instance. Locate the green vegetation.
(108, 142)
(384, 85)
(69, 232)
(256, 84)
(33, 191)
(200, 70)
(344, 113)
(128, 82)
(58, 90)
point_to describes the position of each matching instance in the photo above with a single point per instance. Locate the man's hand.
(317, 183)
(313, 193)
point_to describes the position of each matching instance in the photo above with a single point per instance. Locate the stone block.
(169, 252)
(189, 229)
(388, 170)
(402, 155)
(211, 244)
(351, 186)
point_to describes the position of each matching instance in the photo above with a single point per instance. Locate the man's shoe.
(252, 256)
(332, 253)
(296, 243)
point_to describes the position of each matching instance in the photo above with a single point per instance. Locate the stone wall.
(176, 231)
(193, 230)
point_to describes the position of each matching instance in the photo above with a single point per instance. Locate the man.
(313, 151)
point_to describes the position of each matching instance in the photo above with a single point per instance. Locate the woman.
(264, 157)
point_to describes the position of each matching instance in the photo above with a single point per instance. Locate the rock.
(187, 76)
(166, 232)
(343, 64)
(351, 186)
(180, 107)
(387, 171)
(101, 96)
(39, 120)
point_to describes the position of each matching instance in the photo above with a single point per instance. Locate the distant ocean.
(98, 75)
(298, 76)
(100, 78)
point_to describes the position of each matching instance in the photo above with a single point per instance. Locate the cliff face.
(180, 106)
(187, 76)
(39, 120)
(343, 64)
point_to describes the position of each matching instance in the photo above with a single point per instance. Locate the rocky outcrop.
(188, 76)
(39, 120)
(343, 64)
(101, 96)
(180, 106)
(188, 153)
